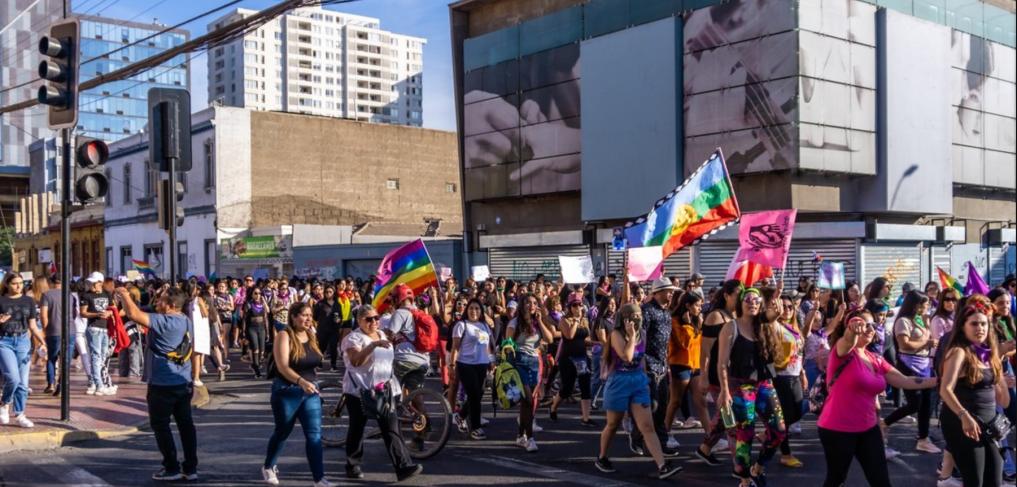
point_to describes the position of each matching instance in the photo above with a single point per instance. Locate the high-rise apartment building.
(320, 62)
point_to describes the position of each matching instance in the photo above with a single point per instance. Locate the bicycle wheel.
(425, 421)
(333, 424)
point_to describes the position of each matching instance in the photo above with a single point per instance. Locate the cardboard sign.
(576, 270)
(480, 272)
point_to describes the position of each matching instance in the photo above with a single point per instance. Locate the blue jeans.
(52, 355)
(595, 380)
(289, 403)
(98, 352)
(14, 354)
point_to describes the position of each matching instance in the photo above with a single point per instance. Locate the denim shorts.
(626, 388)
(528, 367)
(682, 372)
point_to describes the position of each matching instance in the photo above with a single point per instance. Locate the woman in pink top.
(849, 425)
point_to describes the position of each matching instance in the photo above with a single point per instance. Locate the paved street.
(234, 429)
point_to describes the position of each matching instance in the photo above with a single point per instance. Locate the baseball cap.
(403, 292)
(95, 277)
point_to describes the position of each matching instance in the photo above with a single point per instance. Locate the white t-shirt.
(475, 342)
(377, 368)
(402, 324)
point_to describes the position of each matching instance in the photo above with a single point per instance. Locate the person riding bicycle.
(410, 365)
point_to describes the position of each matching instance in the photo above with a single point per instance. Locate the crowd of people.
(655, 358)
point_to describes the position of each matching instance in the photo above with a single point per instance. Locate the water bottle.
(727, 416)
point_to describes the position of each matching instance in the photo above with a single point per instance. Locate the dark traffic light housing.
(61, 72)
(90, 184)
(168, 192)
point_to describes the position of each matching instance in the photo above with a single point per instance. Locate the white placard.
(576, 270)
(481, 272)
(202, 338)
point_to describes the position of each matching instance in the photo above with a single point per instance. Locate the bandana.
(983, 352)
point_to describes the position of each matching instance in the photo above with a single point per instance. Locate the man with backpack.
(168, 373)
(415, 335)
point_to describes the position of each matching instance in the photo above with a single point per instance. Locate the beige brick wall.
(328, 171)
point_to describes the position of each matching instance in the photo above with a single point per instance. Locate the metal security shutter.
(940, 259)
(677, 264)
(899, 263)
(1002, 263)
(524, 263)
(713, 258)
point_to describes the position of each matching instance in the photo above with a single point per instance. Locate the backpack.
(182, 353)
(508, 386)
(426, 332)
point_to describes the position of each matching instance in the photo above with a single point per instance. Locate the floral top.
(815, 342)
(792, 346)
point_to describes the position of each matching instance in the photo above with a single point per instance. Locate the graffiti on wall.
(527, 269)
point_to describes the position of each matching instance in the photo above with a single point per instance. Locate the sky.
(420, 18)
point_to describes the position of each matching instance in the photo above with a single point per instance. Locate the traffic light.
(61, 72)
(170, 194)
(90, 183)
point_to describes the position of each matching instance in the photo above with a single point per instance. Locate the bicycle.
(425, 431)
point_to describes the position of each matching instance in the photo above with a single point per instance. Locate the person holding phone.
(17, 327)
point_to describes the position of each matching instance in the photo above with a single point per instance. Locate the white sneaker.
(691, 424)
(460, 423)
(908, 420)
(531, 445)
(890, 453)
(927, 446)
(484, 421)
(672, 442)
(521, 441)
(536, 428)
(721, 445)
(949, 482)
(270, 475)
(5, 414)
(24, 422)
(323, 483)
(796, 429)
(91, 390)
(678, 424)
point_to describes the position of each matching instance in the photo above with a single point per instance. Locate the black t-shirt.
(96, 303)
(21, 310)
(328, 314)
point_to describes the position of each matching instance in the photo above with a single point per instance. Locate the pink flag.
(765, 237)
(645, 263)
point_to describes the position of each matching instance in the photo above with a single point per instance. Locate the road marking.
(553, 473)
(70, 474)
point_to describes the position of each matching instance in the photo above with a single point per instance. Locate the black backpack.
(182, 353)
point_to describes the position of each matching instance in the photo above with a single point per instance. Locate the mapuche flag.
(702, 205)
(410, 265)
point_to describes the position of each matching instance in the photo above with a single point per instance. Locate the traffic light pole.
(172, 218)
(65, 279)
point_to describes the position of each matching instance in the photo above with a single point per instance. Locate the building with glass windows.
(115, 110)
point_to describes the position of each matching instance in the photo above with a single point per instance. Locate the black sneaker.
(669, 452)
(553, 414)
(354, 472)
(589, 423)
(668, 470)
(708, 458)
(163, 475)
(759, 480)
(635, 446)
(604, 465)
(407, 472)
(1009, 477)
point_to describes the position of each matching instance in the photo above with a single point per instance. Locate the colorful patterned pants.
(751, 400)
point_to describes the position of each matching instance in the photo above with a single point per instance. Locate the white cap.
(95, 277)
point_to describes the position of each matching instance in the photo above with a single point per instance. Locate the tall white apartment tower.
(320, 62)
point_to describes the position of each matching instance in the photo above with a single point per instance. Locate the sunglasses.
(949, 300)
(370, 319)
(753, 299)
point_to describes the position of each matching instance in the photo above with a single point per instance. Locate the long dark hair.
(940, 309)
(296, 350)
(875, 288)
(523, 318)
(683, 314)
(624, 313)
(719, 302)
(842, 326)
(1001, 321)
(972, 370)
(767, 334)
(909, 308)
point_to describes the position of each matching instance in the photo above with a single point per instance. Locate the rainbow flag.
(143, 267)
(410, 265)
(946, 280)
(700, 206)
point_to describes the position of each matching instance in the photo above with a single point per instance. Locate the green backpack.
(508, 386)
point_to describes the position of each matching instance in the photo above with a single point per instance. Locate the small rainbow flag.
(702, 205)
(946, 280)
(410, 265)
(143, 267)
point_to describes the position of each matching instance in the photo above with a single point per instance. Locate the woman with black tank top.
(295, 394)
(747, 349)
(973, 384)
(722, 309)
(574, 361)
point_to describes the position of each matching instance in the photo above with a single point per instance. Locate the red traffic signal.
(92, 153)
(90, 183)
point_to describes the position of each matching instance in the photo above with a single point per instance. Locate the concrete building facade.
(320, 62)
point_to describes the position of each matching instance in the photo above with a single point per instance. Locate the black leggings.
(328, 340)
(789, 391)
(917, 402)
(472, 377)
(569, 377)
(256, 337)
(839, 448)
(389, 427)
(980, 462)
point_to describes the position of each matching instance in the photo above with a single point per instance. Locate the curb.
(46, 440)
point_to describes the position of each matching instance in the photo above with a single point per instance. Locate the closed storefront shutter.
(524, 263)
(713, 259)
(940, 259)
(804, 259)
(1002, 263)
(677, 264)
(898, 262)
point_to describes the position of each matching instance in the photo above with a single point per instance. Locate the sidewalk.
(92, 417)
